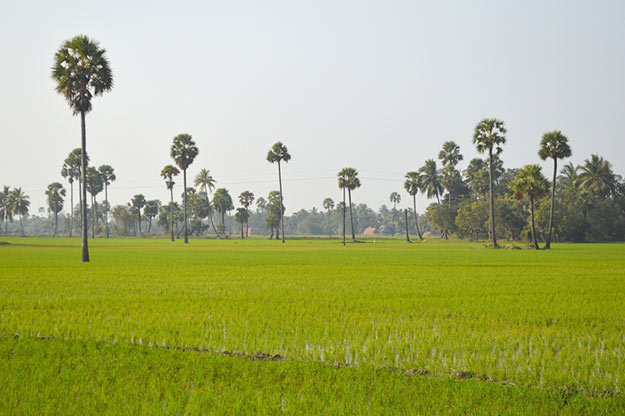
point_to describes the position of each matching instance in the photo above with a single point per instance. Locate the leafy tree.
(395, 199)
(477, 177)
(489, 136)
(168, 173)
(412, 185)
(55, 194)
(81, 70)
(108, 175)
(223, 203)
(241, 216)
(246, 198)
(124, 218)
(472, 220)
(451, 180)
(442, 217)
(184, 151)
(261, 203)
(532, 183)
(554, 145)
(151, 211)
(430, 180)
(328, 205)
(275, 212)
(94, 187)
(348, 179)
(18, 204)
(206, 183)
(277, 154)
(138, 202)
(450, 154)
(169, 216)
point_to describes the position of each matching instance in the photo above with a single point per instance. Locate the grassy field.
(385, 327)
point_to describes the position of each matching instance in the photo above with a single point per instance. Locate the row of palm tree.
(13, 202)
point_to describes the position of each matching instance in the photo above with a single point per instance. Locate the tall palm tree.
(348, 179)
(108, 175)
(343, 185)
(223, 203)
(55, 193)
(206, 183)
(241, 216)
(94, 187)
(19, 203)
(5, 207)
(532, 183)
(553, 145)
(412, 186)
(277, 154)
(138, 202)
(395, 198)
(450, 154)
(81, 70)
(184, 151)
(597, 177)
(328, 204)
(168, 174)
(246, 198)
(431, 180)
(489, 136)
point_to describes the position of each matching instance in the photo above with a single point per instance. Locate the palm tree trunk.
(139, 218)
(171, 213)
(344, 214)
(71, 208)
(106, 209)
(21, 225)
(553, 197)
(56, 218)
(186, 233)
(492, 197)
(83, 175)
(281, 201)
(242, 236)
(80, 199)
(533, 226)
(329, 226)
(407, 233)
(416, 216)
(351, 215)
(92, 218)
(149, 224)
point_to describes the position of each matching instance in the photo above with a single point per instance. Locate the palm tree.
(343, 186)
(138, 201)
(108, 175)
(395, 198)
(246, 198)
(412, 186)
(94, 187)
(5, 208)
(489, 135)
(569, 176)
(206, 183)
(430, 180)
(532, 183)
(183, 151)
(348, 179)
(277, 154)
(596, 177)
(553, 145)
(241, 216)
(328, 204)
(151, 211)
(451, 179)
(81, 70)
(223, 203)
(450, 154)
(19, 203)
(55, 194)
(168, 174)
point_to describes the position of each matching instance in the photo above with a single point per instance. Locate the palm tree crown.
(489, 134)
(530, 182)
(205, 181)
(107, 173)
(596, 176)
(431, 180)
(81, 71)
(168, 174)
(412, 183)
(183, 150)
(450, 155)
(554, 145)
(278, 153)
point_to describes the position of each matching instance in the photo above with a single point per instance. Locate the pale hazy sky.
(376, 85)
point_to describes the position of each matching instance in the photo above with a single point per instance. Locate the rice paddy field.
(310, 327)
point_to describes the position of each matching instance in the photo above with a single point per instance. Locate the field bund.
(453, 318)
